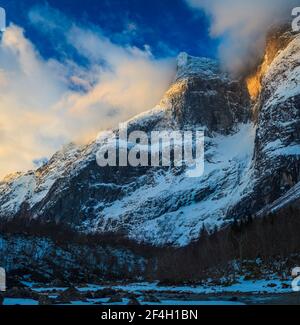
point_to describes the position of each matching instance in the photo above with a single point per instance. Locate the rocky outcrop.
(277, 116)
(208, 97)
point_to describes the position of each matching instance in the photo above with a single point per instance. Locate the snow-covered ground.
(162, 303)
(104, 301)
(19, 301)
(205, 294)
(241, 286)
(257, 286)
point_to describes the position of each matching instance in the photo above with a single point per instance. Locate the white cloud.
(242, 26)
(46, 103)
(29, 88)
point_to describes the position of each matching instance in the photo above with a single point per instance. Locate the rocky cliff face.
(252, 158)
(276, 113)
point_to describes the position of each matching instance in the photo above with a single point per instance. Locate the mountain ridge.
(252, 159)
(175, 111)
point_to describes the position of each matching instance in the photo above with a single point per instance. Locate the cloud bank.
(45, 104)
(242, 26)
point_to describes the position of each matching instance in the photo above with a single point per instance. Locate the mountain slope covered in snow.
(252, 158)
(150, 205)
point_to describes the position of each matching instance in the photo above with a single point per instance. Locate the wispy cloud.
(242, 26)
(47, 103)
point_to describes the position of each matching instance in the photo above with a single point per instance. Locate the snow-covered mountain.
(150, 205)
(252, 159)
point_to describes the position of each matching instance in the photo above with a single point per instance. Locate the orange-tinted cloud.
(40, 108)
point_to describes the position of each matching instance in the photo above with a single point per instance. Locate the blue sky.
(70, 69)
(167, 26)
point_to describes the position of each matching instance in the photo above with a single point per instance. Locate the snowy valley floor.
(243, 292)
